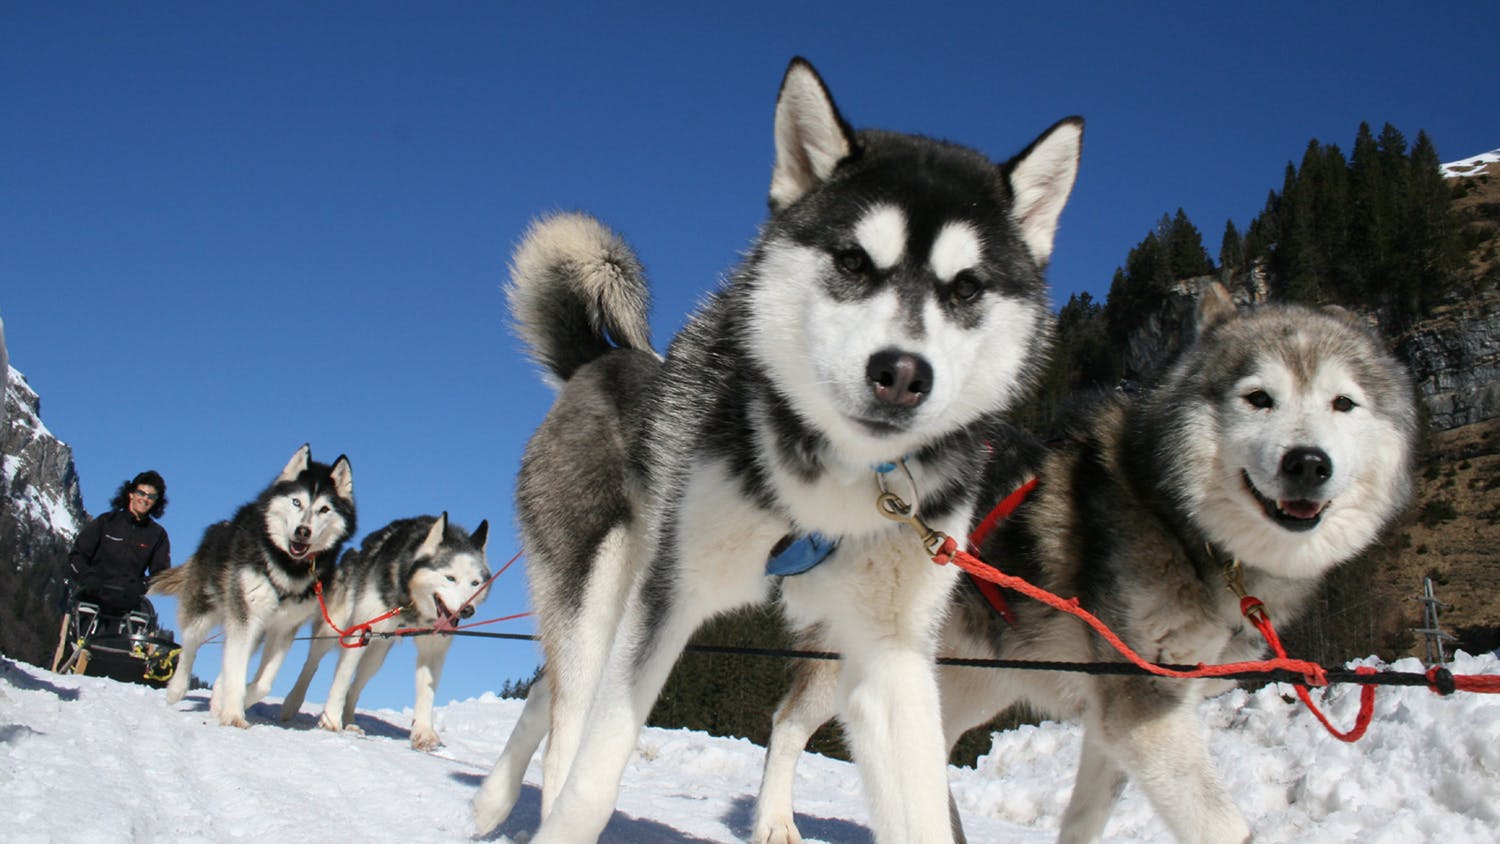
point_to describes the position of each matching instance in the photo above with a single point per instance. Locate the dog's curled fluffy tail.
(168, 582)
(576, 291)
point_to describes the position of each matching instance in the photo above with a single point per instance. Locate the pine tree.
(1231, 248)
(1331, 209)
(1264, 231)
(1186, 256)
(1295, 261)
(1428, 244)
(1370, 223)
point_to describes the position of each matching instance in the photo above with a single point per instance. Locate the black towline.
(1334, 675)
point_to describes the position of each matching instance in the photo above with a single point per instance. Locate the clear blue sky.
(224, 233)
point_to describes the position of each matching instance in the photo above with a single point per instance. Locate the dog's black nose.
(1307, 467)
(466, 611)
(899, 378)
(302, 533)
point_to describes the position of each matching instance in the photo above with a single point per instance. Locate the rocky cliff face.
(1455, 361)
(43, 504)
(41, 510)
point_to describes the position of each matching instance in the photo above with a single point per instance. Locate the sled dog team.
(890, 312)
(257, 576)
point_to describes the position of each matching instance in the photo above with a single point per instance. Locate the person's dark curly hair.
(149, 477)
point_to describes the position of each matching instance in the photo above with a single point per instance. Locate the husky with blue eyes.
(892, 306)
(255, 575)
(1277, 446)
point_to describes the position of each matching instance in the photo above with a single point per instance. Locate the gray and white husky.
(1282, 439)
(893, 303)
(254, 574)
(434, 572)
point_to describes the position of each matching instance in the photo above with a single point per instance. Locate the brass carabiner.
(892, 507)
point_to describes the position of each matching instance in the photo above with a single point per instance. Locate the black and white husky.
(254, 574)
(434, 572)
(893, 303)
(1281, 439)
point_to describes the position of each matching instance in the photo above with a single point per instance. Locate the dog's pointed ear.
(1041, 178)
(434, 538)
(481, 536)
(343, 478)
(1215, 307)
(1343, 314)
(297, 465)
(811, 136)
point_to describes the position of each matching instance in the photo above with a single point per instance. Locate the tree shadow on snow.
(526, 816)
(741, 820)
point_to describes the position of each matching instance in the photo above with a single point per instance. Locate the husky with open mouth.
(255, 573)
(416, 573)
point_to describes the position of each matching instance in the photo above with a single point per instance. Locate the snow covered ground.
(86, 759)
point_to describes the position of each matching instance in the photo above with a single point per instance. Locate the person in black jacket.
(114, 553)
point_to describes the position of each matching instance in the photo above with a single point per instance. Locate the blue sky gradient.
(228, 231)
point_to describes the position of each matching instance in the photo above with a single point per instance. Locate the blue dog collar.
(804, 553)
(801, 555)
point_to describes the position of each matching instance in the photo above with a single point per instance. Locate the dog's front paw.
(175, 691)
(232, 719)
(779, 831)
(425, 739)
(330, 722)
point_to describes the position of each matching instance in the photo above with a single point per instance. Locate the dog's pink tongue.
(1301, 509)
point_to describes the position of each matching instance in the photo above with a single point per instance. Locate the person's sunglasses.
(149, 496)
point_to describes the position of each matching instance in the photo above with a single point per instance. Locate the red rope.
(362, 630)
(1481, 683)
(449, 625)
(1252, 608)
(1440, 680)
(1311, 671)
(454, 628)
(1002, 511)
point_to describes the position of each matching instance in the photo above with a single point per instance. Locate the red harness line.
(358, 635)
(1002, 511)
(989, 580)
(1311, 671)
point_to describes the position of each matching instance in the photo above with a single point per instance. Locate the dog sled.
(124, 646)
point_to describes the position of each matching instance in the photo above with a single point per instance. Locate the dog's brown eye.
(1260, 400)
(853, 261)
(1343, 404)
(965, 287)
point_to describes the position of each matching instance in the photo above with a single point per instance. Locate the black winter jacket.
(112, 556)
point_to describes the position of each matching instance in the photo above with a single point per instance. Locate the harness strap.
(987, 525)
(1001, 512)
